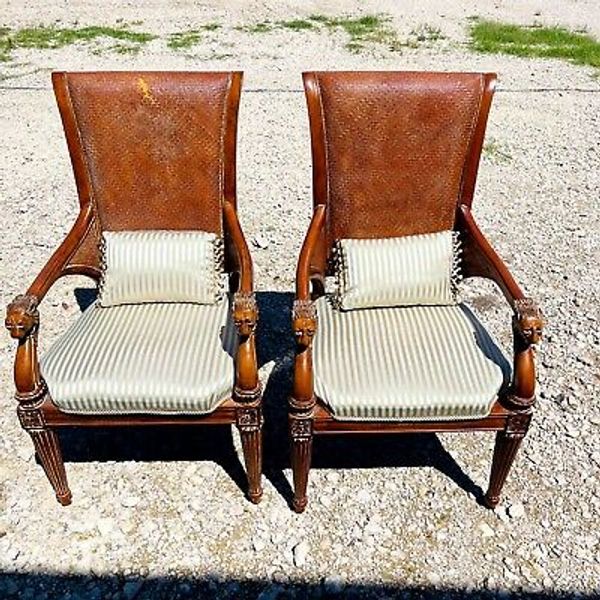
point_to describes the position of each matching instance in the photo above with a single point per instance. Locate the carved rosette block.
(245, 313)
(22, 316)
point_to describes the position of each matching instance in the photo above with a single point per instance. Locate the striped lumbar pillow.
(403, 271)
(139, 267)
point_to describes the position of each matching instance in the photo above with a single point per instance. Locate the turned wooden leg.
(505, 450)
(249, 423)
(301, 435)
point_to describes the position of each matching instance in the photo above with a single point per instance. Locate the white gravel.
(163, 517)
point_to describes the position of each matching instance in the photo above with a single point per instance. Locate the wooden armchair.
(397, 154)
(150, 151)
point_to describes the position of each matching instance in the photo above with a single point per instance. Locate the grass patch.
(51, 37)
(370, 29)
(361, 31)
(495, 151)
(183, 40)
(534, 42)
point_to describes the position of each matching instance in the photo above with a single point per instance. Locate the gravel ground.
(160, 515)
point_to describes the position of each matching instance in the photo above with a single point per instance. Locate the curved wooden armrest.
(304, 272)
(481, 260)
(244, 260)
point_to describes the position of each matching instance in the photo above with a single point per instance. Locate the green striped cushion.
(144, 358)
(406, 364)
(402, 271)
(160, 266)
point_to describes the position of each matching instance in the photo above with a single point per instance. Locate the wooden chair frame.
(38, 414)
(309, 416)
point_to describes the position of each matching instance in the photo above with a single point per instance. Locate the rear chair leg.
(301, 434)
(47, 448)
(505, 450)
(249, 423)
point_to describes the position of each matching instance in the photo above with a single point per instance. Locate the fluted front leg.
(505, 450)
(249, 422)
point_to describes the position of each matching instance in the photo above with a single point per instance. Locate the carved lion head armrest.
(22, 316)
(304, 322)
(245, 313)
(528, 321)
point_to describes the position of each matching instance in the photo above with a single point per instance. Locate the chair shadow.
(275, 345)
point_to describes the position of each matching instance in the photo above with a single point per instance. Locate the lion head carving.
(21, 316)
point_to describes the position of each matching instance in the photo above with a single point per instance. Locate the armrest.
(481, 260)
(242, 252)
(22, 316)
(304, 272)
(245, 312)
(304, 321)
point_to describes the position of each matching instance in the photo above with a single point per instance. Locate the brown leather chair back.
(150, 150)
(394, 153)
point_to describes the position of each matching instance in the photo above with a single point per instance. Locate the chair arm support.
(481, 260)
(304, 325)
(242, 252)
(245, 317)
(304, 273)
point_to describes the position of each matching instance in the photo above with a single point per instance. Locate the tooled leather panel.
(396, 145)
(153, 147)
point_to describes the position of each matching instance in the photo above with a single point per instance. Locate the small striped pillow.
(403, 271)
(139, 267)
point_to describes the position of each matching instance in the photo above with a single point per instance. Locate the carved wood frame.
(36, 410)
(308, 415)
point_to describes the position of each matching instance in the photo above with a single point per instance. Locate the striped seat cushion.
(145, 358)
(402, 271)
(160, 266)
(406, 364)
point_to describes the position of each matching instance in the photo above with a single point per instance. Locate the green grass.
(44, 37)
(361, 31)
(182, 40)
(495, 151)
(534, 42)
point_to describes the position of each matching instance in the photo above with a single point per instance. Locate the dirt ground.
(163, 516)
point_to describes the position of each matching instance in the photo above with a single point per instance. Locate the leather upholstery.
(395, 149)
(144, 358)
(161, 266)
(406, 364)
(400, 271)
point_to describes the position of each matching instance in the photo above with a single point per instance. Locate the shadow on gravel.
(215, 443)
(42, 586)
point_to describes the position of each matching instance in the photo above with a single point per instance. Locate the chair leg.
(249, 423)
(505, 450)
(301, 434)
(47, 448)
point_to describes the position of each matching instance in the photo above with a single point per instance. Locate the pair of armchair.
(394, 155)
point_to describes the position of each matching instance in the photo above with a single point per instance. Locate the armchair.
(397, 154)
(150, 151)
